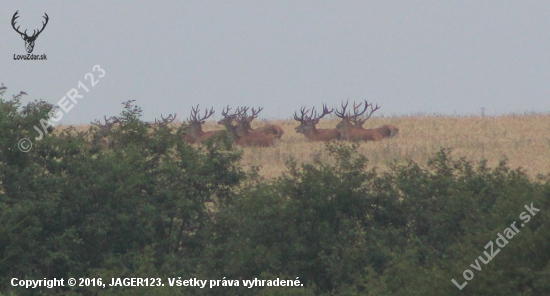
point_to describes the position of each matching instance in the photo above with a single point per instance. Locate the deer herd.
(237, 124)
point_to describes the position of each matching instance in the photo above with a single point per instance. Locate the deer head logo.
(29, 40)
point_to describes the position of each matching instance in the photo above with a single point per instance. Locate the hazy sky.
(446, 57)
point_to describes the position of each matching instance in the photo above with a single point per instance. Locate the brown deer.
(162, 125)
(245, 127)
(194, 133)
(308, 128)
(387, 130)
(103, 137)
(243, 137)
(353, 132)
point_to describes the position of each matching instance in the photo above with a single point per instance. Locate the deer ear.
(203, 122)
(316, 121)
(22, 36)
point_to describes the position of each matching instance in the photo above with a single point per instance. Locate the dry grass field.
(524, 140)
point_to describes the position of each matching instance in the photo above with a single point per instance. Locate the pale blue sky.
(446, 57)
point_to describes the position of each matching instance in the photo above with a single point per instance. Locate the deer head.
(349, 119)
(308, 122)
(29, 40)
(228, 119)
(104, 136)
(196, 121)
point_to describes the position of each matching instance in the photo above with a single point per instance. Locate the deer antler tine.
(312, 114)
(342, 114)
(372, 110)
(362, 112)
(326, 111)
(255, 113)
(166, 120)
(358, 121)
(43, 25)
(296, 117)
(194, 113)
(303, 112)
(226, 110)
(15, 17)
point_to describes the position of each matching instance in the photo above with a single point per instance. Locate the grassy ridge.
(522, 139)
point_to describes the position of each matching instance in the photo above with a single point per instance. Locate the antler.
(313, 116)
(195, 112)
(225, 111)
(325, 112)
(356, 113)
(15, 16)
(255, 113)
(355, 118)
(342, 114)
(228, 118)
(43, 26)
(304, 116)
(167, 120)
(35, 34)
(109, 122)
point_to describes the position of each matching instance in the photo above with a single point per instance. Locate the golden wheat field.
(524, 140)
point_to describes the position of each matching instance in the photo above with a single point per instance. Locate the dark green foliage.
(74, 209)
(134, 200)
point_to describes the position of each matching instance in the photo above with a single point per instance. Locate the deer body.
(315, 135)
(255, 140)
(195, 134)
(387, 130)
(275, 130)
(353, 133)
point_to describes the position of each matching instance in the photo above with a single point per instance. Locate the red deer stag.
(245, 127)
(162, 125)
(308, 122)
(351, 132)
(164, 121)
(194, 133)
(243, 137)
(104, 136)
